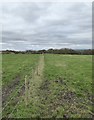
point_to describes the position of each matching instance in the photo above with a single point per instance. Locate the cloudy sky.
(46, 25)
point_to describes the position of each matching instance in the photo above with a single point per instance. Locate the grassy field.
(57, 86)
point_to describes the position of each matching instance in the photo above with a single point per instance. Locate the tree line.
(52, 51)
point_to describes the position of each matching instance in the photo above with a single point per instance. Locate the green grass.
(76, 74)
(66, 87)
(76, 70)
(15, 65)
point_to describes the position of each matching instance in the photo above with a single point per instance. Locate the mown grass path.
(37, 79)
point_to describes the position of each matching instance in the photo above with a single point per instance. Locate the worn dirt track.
(6, 92)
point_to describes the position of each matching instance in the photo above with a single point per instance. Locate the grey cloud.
(28, 11)
(46, 25)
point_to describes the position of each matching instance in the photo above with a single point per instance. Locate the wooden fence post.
(26, 90)
(37, 70)
(29, 89)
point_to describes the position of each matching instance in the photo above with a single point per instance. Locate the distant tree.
(52, 51)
